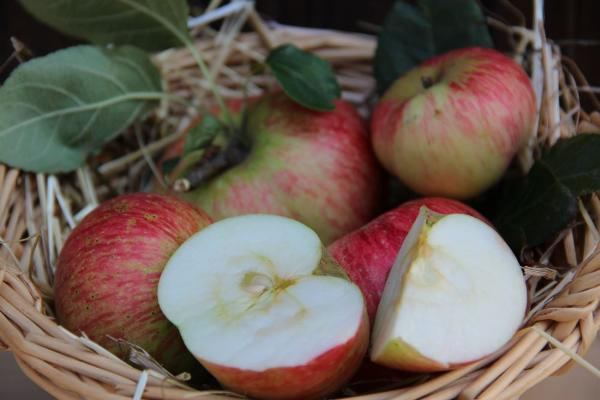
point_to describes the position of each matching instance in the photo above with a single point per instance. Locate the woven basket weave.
(38, 211)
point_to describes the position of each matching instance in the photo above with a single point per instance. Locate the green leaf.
(202, 134)
(581, 174)
(149, 24)
(55, 110)
(306, 78)
(544, 202)
(538, 207)
(413, 34)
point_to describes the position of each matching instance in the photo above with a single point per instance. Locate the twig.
(580, 77)
(87, 185)
(148, 158)
(576, 357)
(556, 290)
(4, 243)
(7, 62)
(577, 42)
(230, 28)
(40, 270)
(263, 32)
(525, 156)
(589, 89)
(23, 52)
(49, 211)
(211, 15)
(119, 164)
(64, 206)
(141, 385)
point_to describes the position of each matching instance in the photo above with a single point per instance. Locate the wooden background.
(566, 22)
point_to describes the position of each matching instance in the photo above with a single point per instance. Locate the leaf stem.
(209, 78)
(185, 39)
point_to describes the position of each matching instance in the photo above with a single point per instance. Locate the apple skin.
(322, 376)
(368, 253)
(315, 167)
(108, 271)
(456, 137)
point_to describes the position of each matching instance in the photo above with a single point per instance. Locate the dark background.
(565, 20)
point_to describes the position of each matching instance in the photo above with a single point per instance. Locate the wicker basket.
(36, 215)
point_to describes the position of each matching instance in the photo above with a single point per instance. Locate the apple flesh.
(315, 167)
(108, 270)
(455, 294)
(368, 253)
(451, 126)
(264, 309)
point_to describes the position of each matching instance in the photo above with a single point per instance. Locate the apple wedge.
(455, 294)
(260, 304)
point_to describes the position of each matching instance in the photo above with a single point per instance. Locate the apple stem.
(211, 166)
(427, 82)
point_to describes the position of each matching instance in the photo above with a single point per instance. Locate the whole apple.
(108, 271)
(451, 126)
(368, 253)
(315, 167)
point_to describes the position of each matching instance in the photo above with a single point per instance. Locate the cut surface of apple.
(255, 296)
(455, 294)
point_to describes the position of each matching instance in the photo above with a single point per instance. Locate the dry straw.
(38, 211)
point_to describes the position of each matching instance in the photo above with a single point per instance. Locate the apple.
(108, 270)
(368, 253)
(455, 294)
(264, 309)
(315, 167)
(451, 126)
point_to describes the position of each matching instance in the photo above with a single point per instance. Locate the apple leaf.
(202, 134)
(55, 110)
(149, 24)
(304, 77)
(576, 163)
(544, 202)
(412, 34)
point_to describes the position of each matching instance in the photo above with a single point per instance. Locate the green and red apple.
(264, 309)
(368, 253)
(451, 126)
(455, 294)
(108, 271)
(315, 167)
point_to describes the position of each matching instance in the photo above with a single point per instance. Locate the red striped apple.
(315, 167)
(455, 294)
(264, 309)
(108, 270)
(368, 253)
(451, 126)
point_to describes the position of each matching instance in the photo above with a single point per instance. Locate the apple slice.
(264, 309)
(455, 294)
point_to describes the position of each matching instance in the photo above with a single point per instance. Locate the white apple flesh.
(455, 294)
(261, 306)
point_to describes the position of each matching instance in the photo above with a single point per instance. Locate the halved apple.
(264, 309)
(455, 294)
